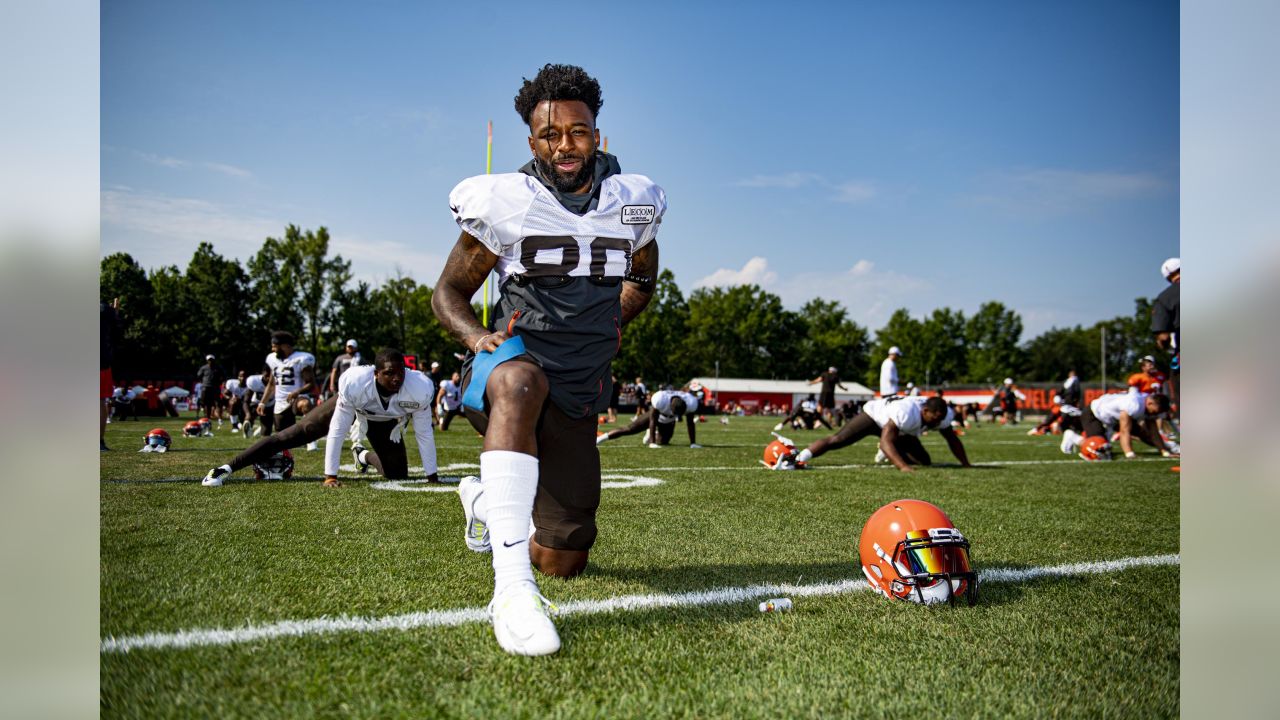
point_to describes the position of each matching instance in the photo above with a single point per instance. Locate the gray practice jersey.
(561, 273)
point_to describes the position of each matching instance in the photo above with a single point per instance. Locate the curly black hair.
(558, 82)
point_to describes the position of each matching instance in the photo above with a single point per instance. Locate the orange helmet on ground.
(1095, 447)
(193, 428)
(156, 440)
(910, 550)
(781, 455)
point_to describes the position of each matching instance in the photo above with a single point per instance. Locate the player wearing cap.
(349, 358)
(1132, 414)
(666, 407)
(898, 422)
(889, 373)
(292, 376)
(1149, 379)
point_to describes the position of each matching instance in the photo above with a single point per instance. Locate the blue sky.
(881, 155)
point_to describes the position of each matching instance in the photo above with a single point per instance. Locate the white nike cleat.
(602, 438)
(215, 477)
(881, 458)
(476, 533)
(1070, 440)
(356, 451)
(654, 446)
(522, 622)
(695, 446)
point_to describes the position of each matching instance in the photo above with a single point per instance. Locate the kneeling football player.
(898, 422)
(384, 396)
(1131, 414)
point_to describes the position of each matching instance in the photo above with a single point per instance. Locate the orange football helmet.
(781, 455)
(1095, 447)
(156, 440)
(910, 550)
(195, 428)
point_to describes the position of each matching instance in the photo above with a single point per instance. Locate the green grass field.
(179, 557)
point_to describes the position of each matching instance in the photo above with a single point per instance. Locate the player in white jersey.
(235, 390)
(573, 241)
(1132, 414)
(889, 373)
(449, 398)
(384, 395)
(898, 422)
(256, 393)
(666, 407)
(293, 374)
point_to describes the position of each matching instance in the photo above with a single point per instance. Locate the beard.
(571, 183)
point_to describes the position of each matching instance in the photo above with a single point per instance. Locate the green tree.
(219, 289)
(830, 338)
(942, 349)
(652, 343)
(745, 328)
(120, 276)
(295, 282)
(993, 334)
(426, 336)
(1055, 351)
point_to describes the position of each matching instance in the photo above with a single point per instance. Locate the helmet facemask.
(932, 566)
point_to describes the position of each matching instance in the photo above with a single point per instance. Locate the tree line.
(173, 318)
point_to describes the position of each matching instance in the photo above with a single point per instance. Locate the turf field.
(364, 602)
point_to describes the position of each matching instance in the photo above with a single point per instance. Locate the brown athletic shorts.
(564, 509)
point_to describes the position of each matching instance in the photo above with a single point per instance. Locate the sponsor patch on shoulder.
(638, 214)
(408, 404)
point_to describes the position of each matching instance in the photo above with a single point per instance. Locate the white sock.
(804, 456)
(510, 483)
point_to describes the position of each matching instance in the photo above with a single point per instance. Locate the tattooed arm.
(636, 295)
(464, 272)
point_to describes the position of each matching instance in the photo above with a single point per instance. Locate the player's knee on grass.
(559, 563)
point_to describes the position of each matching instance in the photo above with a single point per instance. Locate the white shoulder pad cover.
(485, 205)
(633, 189)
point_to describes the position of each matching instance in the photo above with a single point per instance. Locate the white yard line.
(625, 603)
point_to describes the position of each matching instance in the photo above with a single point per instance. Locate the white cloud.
(855, 191)
(755, 272)
(1054, 191)
(786, 180)
(867, 294)
(231, 170)
(163, 160)
(849, 191)
(160, 230)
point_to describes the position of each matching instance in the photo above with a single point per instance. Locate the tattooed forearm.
(636, 296)
(464, 272)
